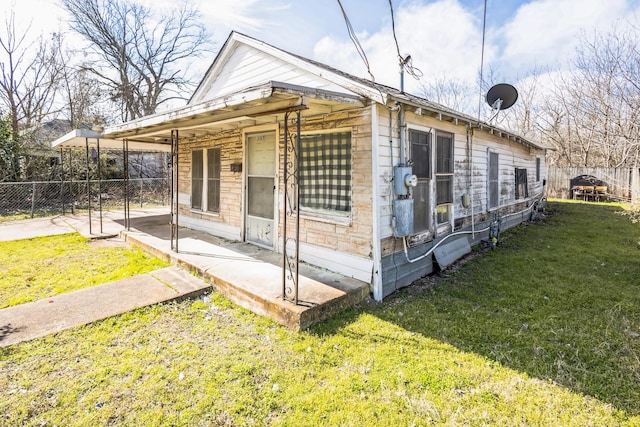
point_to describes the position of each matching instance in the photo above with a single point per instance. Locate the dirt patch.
(113, 242)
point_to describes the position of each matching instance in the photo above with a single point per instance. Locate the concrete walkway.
(110, 226)
(25, 322)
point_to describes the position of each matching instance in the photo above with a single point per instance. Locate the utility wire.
(405, 63)
(484, 27)
(361, 52)
(356, 42)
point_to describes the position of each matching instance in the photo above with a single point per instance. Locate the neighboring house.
(384, 177)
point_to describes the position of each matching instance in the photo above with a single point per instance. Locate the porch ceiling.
(80, 138)
(256, 106)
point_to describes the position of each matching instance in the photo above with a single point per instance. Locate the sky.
(443, 37)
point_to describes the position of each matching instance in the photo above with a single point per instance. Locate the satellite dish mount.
(500, 97)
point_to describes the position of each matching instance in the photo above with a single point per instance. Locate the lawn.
(544, 330)
(41, 267)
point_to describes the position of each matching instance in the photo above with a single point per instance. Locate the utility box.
(403, 209)
(404, 178)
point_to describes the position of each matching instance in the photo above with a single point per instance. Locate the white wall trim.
(376, 278)
(338, 262)
(211, 227)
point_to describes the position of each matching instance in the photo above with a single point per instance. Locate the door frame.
(245, 183)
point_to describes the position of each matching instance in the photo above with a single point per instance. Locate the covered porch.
(246, 274)
(244, 147)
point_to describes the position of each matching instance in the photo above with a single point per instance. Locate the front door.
(261, 186)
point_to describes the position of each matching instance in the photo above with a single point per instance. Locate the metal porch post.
(86, 143)
(99, 184)
(174, 190)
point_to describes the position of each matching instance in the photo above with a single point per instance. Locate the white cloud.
(443, 39)
(251, 16)
(546, 32)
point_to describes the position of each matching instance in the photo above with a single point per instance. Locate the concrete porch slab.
(248, 275)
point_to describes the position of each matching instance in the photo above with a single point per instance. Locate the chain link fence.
(20, 200)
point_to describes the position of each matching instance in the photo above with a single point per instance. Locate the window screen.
(421, 153)
(444, 168)
(522, 191)
(197, 175)
(494, 180)
(213, 180)
(325, 171)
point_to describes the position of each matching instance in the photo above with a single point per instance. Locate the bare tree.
(139, 57)
(83, 98)
(454, 94)
(592, 118)
(29, 77)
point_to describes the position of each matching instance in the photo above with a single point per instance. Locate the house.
(337, 171)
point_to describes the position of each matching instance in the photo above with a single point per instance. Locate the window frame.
(197, 181)
(340, 194)
(424, 180)
(207, 178)
(521, 179)
(491, 153)
(444, 207)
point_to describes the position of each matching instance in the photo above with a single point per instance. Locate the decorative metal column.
(291, 233)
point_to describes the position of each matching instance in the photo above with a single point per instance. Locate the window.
(537, 169)
(213, 180)
(494, 181)
(444, 176)
(522, 190)
(205, 180)
(325, 172)
(421, 156)
(197, 179)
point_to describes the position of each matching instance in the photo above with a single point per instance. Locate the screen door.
(261, 186)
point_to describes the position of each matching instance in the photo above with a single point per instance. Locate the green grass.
(32, 269)
(540, 331)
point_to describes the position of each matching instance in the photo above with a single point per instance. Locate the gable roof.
(294, 69)
(212, 86)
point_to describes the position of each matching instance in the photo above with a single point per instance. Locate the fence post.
(33, 198)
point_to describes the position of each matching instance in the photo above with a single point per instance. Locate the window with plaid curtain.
(325, 172)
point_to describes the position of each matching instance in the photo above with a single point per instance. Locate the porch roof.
(79, 138)
(251, 107)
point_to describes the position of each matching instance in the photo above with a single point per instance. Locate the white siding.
(512, 155)
(246, 67)
(389, 147)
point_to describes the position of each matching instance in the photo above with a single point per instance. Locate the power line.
(356, 42)
(405, 62)
(484, 26)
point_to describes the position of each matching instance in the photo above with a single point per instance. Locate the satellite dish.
(502, 96)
